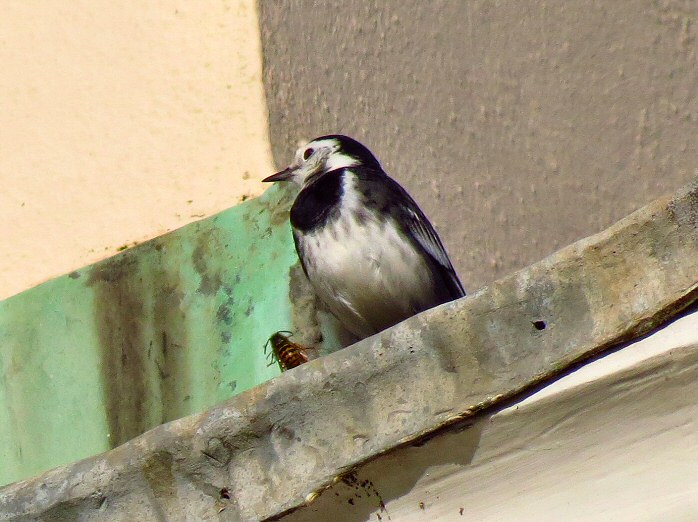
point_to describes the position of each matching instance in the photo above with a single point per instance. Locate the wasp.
(285, 352)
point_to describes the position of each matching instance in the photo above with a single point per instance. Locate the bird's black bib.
(318, 203)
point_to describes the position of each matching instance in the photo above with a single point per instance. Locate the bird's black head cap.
(351, 147)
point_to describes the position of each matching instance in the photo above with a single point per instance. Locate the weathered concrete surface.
(614, 441)
(266, 451)
(519, 126)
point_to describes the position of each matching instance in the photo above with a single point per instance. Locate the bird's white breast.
(365, 271)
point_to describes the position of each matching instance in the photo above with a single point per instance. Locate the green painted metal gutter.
(171, 327)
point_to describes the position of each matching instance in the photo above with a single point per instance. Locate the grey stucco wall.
(519, 126)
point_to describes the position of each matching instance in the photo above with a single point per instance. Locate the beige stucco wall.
(120, 123)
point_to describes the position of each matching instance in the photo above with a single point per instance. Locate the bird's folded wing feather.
(426, 236)
(390, 197)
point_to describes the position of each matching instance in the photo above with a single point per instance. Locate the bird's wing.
(386, 195)
(421, 229)
(427, 238)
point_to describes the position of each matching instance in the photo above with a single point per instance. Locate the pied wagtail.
(368, 250)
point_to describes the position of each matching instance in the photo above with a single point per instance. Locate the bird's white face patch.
(317, 157)
(339, 160)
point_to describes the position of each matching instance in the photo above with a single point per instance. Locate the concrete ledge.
(615, 440)
(270, 450)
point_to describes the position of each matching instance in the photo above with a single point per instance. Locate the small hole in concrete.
(539, 325)
(225, 493)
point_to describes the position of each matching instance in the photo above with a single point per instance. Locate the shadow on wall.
(371, 487)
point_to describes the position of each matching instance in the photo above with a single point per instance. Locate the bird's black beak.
(284, 175)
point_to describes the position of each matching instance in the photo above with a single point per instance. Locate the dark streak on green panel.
(118, 312)
(171, 336)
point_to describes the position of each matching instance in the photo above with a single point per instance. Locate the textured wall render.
(121, 121)
(519, 126)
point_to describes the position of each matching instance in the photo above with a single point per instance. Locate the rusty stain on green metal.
(162, 330)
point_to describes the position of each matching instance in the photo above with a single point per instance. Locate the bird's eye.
(307, 153)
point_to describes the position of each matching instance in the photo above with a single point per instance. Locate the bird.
(369, 252)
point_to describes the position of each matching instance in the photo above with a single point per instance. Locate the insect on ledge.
(285, 352)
